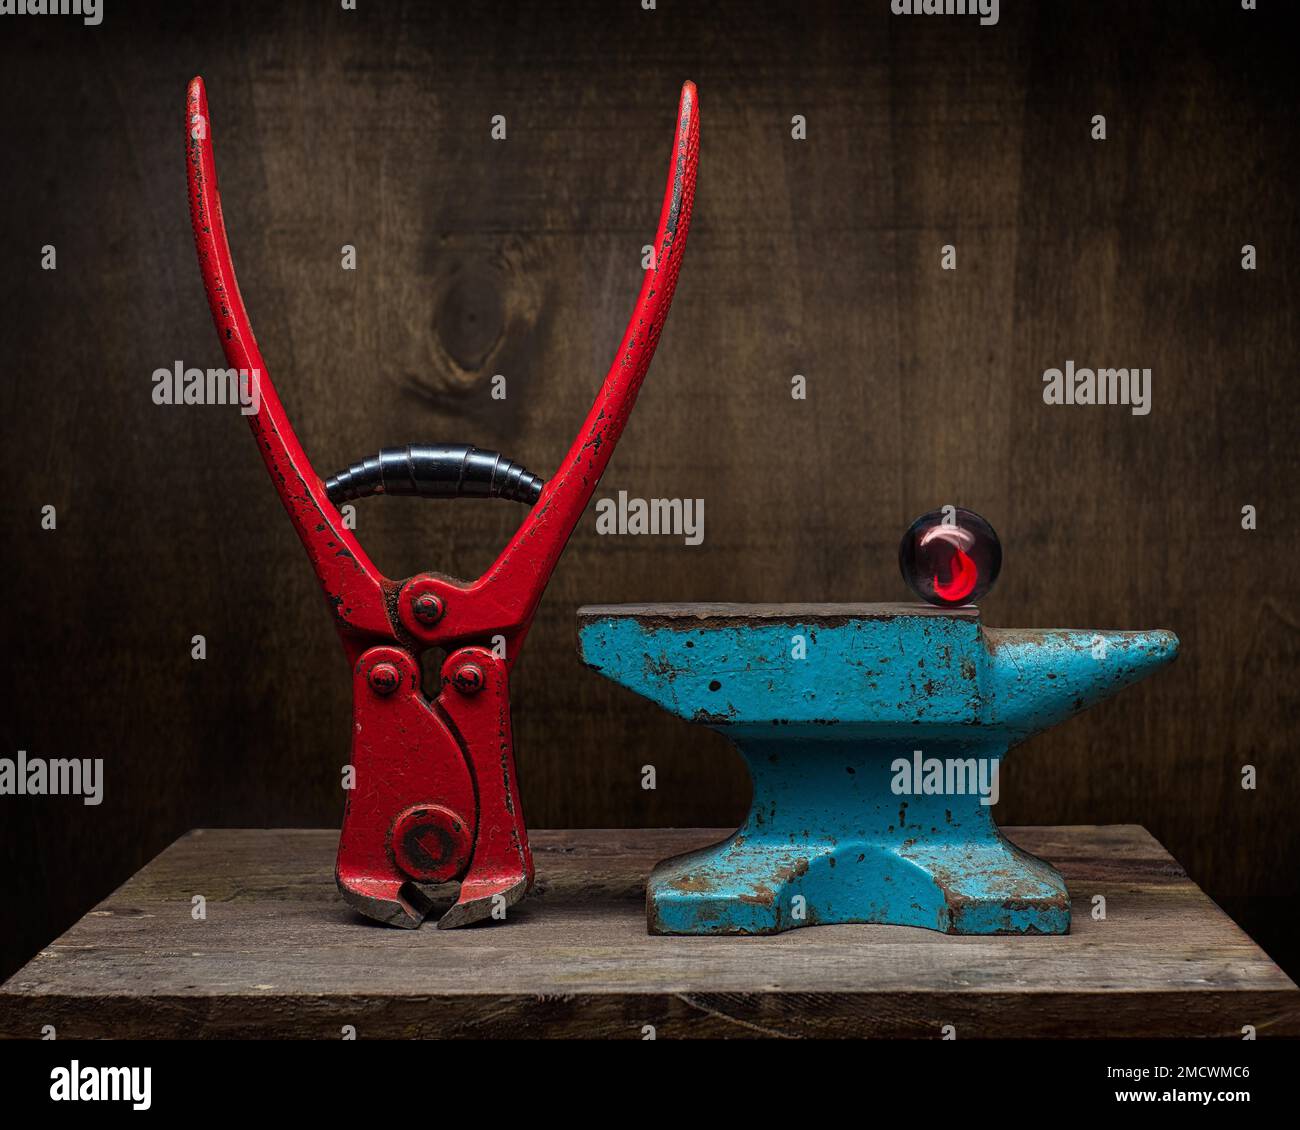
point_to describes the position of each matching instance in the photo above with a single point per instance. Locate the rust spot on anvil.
(785, 874)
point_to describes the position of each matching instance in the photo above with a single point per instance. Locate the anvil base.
(934, 861)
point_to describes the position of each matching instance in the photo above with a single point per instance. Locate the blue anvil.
(873, 734)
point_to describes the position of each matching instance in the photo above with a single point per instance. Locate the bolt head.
(428, 608)
(431, 843)
(385, 678)
(468, 678)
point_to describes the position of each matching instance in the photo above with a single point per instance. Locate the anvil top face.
(882, 669)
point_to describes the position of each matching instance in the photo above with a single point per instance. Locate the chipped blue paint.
(828, 705)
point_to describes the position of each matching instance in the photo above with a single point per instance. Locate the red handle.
(352, 584)
(513, 586)
(505, 598)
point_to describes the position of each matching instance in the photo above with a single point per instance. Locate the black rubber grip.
(437, 470)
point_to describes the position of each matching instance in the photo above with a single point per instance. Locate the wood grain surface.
(522, 258)
(279, 954)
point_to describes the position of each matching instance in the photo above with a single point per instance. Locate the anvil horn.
(1041, 676)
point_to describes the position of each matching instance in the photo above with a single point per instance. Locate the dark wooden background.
(521, 257)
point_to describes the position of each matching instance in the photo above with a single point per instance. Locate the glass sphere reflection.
(950, 557)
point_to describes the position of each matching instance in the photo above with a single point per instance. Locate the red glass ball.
(950, 557)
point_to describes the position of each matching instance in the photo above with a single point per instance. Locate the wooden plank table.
(279, 954)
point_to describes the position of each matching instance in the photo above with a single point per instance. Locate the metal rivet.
(427, 608)
(385, 678)
(468, 678)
